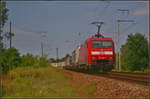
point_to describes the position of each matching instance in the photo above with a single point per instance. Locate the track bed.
(109, 87)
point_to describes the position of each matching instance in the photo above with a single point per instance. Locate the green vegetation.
(43, 82)
(30, 60)
(134, 54)
(58, 60)
(3, 19)
(10, 58)
(36, 82)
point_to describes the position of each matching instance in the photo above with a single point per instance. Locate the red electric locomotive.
(97, 54)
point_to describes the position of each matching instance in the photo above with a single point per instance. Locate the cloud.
(141, 11)
(142, 8)
(145, 2)
(17, 30)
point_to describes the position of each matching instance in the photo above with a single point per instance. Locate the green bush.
(30, 60)
(9, 59)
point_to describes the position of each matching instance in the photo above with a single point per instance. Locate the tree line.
(10, 57)
(52, 60)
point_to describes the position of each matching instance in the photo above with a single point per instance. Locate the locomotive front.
(101, 55)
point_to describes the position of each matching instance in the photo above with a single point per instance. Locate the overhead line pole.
(10, 36)
(118, 67)
(42, 44)
(42, 49)
(119, 58)
(57, 56)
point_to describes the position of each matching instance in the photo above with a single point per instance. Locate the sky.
(57, 24)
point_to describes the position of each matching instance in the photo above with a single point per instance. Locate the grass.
(43, 82)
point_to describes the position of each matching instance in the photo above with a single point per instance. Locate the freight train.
(97, 54)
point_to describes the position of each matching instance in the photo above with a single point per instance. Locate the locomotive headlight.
(108, 52)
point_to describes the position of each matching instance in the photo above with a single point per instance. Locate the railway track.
(140, 78)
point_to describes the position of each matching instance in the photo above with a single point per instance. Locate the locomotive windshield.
(102, 43)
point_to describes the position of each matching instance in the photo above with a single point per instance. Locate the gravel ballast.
(110, 88)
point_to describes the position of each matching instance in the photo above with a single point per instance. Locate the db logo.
(101, 52)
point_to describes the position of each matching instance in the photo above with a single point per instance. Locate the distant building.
(59, 64)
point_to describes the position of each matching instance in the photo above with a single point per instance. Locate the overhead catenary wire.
(133, 25)
(127, 16)
(93, 17)
(97, 12)
(42, 36)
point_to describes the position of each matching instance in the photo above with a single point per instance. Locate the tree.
(10, 58)
(3, 19)
(134, 53)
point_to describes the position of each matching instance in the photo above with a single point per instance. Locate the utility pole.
(42, 49)
(79, 38)
(119, 58)
(42, 43)
(57, 56)
(118, 66)
(98, 24)
(10, 36)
